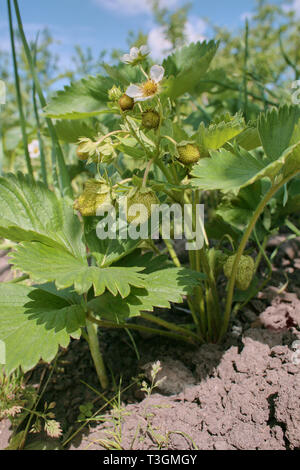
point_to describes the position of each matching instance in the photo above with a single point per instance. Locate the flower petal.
(143, 98)
(144, 50)
(134, 91)
(157, 73)
(134, 52)
(126, 58)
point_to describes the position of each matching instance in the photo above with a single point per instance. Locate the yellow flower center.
(149, 88)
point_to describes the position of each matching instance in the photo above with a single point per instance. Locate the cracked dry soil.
(247, 398)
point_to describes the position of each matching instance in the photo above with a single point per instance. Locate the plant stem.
(18, 279)
(273, 190)
(246, 56)
(292, 227)
(146, 173)
(104, 137)
(36, 114)
(96, 354)
(135, 135)
(169, 326)
(172, 252)
(1, 144)
(146, 329)
(18, 91)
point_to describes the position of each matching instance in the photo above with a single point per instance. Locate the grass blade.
(18, 91)
(38, 124)
(64, 178)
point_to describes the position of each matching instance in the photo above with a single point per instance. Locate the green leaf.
(238, 211)
(81, 99)
(107, 251)
(233, 170)
(46, 264)
(34, 323)
(276, 128)
(31, 212)
(186, 66)
(216, 135)
(163, 286)
(71, 130)
(249, 139)
(123, 75)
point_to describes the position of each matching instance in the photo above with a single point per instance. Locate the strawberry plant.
(144, 156)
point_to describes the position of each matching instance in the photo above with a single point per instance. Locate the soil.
(243, 394)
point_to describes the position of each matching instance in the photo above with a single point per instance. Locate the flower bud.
(245, 271)
(126, 103)
(81, 153)
(114, 93)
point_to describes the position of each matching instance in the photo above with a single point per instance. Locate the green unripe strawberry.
(145, 197)
(188, 154)
(150, 119)
(95, 194)
(245, 271)
(126, 103)
(80, 153)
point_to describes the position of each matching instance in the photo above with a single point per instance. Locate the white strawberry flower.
(136, 54)
(147, 90)
(34, 149)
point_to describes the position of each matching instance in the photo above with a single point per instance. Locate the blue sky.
(104, 24)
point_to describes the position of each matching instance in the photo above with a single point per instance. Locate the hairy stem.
(172, 252)
(96, 354)
(146, 329)
(259, 210)
(169, 326)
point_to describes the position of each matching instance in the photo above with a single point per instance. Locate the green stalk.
(18, 91)
(246, 56)
(93, 342)
(169, 326)
(292, 227)
(259, 210)
(172, 252)
(212, 298)
(38, 125)
(1, 145)
(146, 329)
(64, 178)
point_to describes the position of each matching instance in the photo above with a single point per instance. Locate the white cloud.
(246, 16)
(133, 7)
(160, 46)
(293, 6)
(195, 30)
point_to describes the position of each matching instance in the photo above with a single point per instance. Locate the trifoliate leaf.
(163, 286)
(216, 135)
(232, 170)
(81, 99)
(31, 212)
(276, 128)
(186, 66)
(249, 138)
(108, 251)
(71, 130)
(47, 264)
(34, 323)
